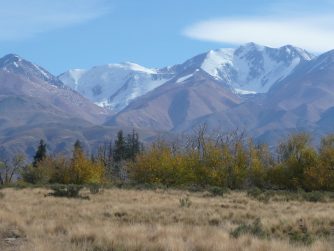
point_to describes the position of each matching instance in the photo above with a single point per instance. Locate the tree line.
(229, 160)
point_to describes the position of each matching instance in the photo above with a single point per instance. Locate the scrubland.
(175, 220)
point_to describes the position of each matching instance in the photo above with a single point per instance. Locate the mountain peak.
(252, 67)
(288, 49)
(9, 59)
(12, 63)
(296, 51)
(252, 45)
(12, 55)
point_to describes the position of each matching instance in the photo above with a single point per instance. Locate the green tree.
(40, 153)
(120, 147)
(77, 148)
(133, 146)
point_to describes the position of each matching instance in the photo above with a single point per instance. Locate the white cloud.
(315, 34)
(21, 19)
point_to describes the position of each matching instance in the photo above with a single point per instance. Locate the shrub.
(69, 191)
(301, 238)
(256, 193)
(36, 175)
(216, 191)
(255, 229)
(51, 169)
(314, 196)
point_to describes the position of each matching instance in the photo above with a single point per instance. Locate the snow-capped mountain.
(248, 69)
(114, 85)
(297, 94)
(304, 101)
(12, 63)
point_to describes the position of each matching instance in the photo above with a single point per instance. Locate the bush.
(254, 192)
(36, 175)
(255, 229)
(216, 191)
(69, 191)
(314, 196)
(301, 238)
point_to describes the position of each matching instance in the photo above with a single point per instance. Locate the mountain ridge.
(292, 91)
(117, 85)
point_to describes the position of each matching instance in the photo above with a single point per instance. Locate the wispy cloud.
(312, 31)
(22, 19)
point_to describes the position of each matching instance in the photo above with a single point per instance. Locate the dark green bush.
(314, 196)
(216, 191)
(69, 191)
(258, 194)
(301, 238)
(254, 192)
(255, 229)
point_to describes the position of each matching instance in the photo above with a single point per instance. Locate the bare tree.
(105, 155)
(197, 141)
(8, 169)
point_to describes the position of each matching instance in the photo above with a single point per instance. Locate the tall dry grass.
(155, 220)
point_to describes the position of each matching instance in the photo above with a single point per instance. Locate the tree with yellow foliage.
(84, 170)
(257, 171)
(320, 176)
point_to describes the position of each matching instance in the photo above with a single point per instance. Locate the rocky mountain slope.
(34, 104)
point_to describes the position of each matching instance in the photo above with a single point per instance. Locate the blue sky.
(64, 34)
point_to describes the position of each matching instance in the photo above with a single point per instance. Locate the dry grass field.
(172, 220)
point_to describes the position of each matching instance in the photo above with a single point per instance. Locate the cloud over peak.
(313, 33)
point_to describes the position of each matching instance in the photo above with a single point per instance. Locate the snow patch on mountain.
(114, 85)
(71, 78)
(182, 79)
(216, 60)
(134, 67)
(243, 92)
